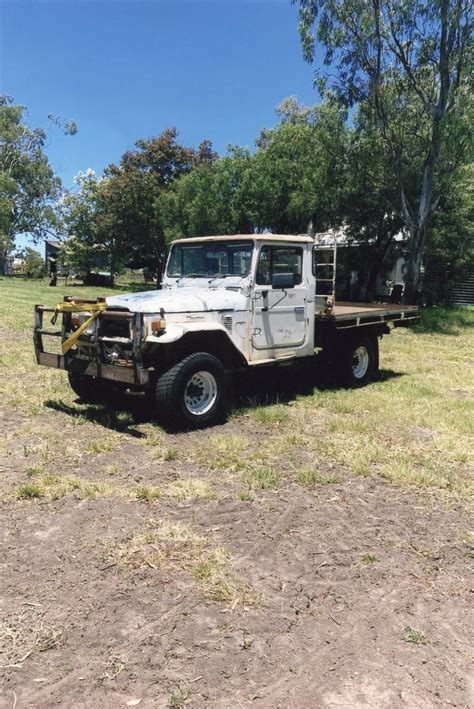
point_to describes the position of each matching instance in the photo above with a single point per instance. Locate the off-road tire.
(358, 359)
(92, 390)
(172, 398)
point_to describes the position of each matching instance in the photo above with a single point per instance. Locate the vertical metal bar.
(66, 325)
(97, 345)
(37, 338)
(334, 264)
(137, 328)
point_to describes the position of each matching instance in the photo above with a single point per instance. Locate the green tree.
(299, 168)
(216, 198)
(28, 185)
(369, 201)
(131, 189)
(450, 244)
(293, 179)
(34, 264)
(412, 62)
(89, 225)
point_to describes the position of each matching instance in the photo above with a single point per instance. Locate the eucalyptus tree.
(412, 61)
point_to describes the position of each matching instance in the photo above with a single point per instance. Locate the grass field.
(413, 426)
(197, 548)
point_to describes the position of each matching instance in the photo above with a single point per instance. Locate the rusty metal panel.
(51, 360)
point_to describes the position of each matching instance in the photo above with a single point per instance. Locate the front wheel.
(193, 393)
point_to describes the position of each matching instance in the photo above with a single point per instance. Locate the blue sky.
(125, 70)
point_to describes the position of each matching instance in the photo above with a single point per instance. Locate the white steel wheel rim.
(360, 362)
(200, 393)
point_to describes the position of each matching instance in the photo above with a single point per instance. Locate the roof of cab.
(299, 238)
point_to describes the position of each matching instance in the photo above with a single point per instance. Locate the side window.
(279, 259)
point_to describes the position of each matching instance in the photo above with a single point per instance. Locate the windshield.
(210, 259)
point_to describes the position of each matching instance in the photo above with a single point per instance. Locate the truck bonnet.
(185, 300)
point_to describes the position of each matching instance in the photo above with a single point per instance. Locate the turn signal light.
(159, 325)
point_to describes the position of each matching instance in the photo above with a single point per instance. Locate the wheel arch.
(213, 341)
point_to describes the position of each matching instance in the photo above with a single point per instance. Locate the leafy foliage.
(34, 264)
(28, 186)
(131, 189)
(412, 63)
(89, 225)
(450, 244)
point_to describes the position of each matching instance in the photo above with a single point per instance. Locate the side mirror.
(282, 281)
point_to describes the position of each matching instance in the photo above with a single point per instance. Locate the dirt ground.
(352, 592)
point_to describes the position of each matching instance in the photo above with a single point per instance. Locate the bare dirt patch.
(107, 599)
(313, 552)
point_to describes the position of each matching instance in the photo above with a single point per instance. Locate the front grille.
(114, 327)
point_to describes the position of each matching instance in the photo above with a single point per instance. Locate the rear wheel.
(358, 361)
(193, 393)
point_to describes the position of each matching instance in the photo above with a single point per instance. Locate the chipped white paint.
(181, 300)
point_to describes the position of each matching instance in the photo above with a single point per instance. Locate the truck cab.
(273, 284)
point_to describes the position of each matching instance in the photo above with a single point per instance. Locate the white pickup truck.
(227, 304)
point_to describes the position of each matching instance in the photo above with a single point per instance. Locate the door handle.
(299, 309)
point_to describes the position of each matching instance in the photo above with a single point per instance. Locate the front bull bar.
(132, 372)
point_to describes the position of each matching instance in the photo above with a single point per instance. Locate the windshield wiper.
(226, 275)
(194, 275)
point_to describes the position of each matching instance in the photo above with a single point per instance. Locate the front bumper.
(130, 370)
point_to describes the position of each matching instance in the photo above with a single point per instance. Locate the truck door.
(279, 316)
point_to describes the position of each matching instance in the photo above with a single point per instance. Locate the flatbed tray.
(354, 314)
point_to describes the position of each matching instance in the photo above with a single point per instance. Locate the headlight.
(90, 329)
(78, 320)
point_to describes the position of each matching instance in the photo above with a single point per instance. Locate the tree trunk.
(160, 263)
(383, 244)
(112, 268)
(414, 276)
(372, 279)
(159, 275)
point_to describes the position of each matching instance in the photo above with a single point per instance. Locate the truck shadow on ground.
(270, 387)
(265, 387)
(119, 416)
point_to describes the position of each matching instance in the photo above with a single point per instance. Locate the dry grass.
(260, 477)
(309, 476)
(224, 452)
(162, 543)
(176, 545)
(25, 632)
(146, 494)
(52, 487)
(190, 489)
(219, 582)
(413, 427)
